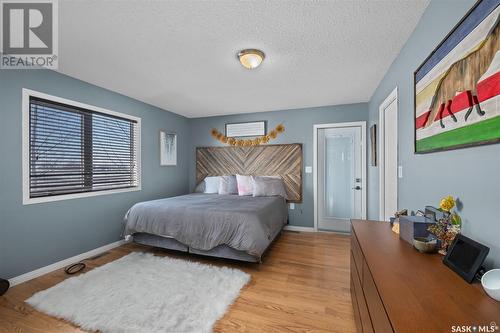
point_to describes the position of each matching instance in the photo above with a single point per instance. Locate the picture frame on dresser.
(465, 257)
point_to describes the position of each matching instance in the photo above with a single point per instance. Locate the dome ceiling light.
(251, 58)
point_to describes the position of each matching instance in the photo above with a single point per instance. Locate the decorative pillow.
(228, 185)
(268, 187)
(245, 185)
(200, 188)
(212, 184)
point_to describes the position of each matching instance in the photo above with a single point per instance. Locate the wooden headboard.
(266, 160)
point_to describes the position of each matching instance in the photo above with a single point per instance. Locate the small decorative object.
(168, 148)
(434, 214)
(456, 88)
(373, 141)
(411, 227)
(394, 221)
(425, 244)
(491, 283)
(447, 227)
(273, 134)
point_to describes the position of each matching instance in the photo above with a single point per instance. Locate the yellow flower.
(256, 141)
(264, 139)
(223, 139)
(447, 203)
(280, 128)
(214, 132)
(273, 134)
(231, 141)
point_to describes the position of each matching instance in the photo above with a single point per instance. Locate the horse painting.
(457, 88)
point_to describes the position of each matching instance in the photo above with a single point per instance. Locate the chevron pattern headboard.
(266, 160)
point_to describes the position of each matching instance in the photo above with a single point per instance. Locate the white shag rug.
(144, 293)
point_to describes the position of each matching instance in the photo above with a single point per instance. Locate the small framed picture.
(373, 142)
(168, 148)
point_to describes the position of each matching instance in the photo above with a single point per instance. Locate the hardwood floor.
(301, 286)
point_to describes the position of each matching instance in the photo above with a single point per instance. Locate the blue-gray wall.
(470, 174)
(37, 235)
(299, 129)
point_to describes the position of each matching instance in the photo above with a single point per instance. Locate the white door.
(389, 157)
(340, 179)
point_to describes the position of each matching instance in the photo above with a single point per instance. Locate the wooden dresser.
(394, 288)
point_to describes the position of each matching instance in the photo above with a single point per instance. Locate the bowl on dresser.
(424, 245)
(491, 283)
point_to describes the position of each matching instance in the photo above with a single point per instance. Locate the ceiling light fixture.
(251, 58)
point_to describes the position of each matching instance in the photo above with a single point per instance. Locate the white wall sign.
(255, 128)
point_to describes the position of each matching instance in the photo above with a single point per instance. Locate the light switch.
(292, 205)
(309, 169)
(400, 171)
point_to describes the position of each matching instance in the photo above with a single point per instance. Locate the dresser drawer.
(358, 255)
(355, 308)
(380, 321)
(363, 323)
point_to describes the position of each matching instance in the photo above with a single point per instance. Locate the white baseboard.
(63, 263)
(297, 228)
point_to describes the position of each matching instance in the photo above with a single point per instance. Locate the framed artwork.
(251, 128)
(168, 148)
(373, 144)
(457, 87)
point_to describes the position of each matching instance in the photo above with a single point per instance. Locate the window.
(74, 150)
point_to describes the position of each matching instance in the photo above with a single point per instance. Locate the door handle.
(357, 188)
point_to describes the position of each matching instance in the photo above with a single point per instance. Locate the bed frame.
(221, 251)
(284, 160)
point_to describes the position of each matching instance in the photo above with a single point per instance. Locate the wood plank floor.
(301, 286)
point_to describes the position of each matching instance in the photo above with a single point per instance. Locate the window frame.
(27, 200)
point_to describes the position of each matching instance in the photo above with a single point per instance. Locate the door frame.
(364, 182)
(393, 96)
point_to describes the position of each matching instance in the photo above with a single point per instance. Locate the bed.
(226, 226)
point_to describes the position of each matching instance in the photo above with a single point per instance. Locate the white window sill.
(30, 201)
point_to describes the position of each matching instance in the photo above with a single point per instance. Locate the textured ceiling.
(181, 55)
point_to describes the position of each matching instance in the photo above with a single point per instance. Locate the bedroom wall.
(299, 129)
(37, 235)
(470, 174)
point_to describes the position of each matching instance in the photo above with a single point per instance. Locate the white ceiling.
(181, 55)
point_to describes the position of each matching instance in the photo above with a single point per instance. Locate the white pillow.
(268, 187)
(228, 185)
(245, 185)
(212, 184)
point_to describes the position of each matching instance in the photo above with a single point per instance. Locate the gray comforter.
(204, 221)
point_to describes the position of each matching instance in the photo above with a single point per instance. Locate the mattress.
(205, 222)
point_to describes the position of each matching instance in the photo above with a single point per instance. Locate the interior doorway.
(339, 175)
(388, 156)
